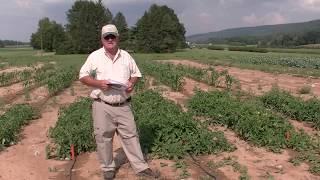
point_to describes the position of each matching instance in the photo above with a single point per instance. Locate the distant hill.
(257, 31)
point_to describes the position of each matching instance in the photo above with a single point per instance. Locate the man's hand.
(130, 87)
(103, 85)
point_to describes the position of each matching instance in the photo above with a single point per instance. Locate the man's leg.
(104, 129)
(129, 138)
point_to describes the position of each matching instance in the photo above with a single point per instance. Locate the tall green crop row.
(165, 73)
(293, 107)
(172, 75)
(311, 62)
(74, 126)
(8, 78)
(209, 75)
(168, 132)
(62, 79)
(250, 120)
(43, 73)
(194, 73)
(12, 121)
(55, 79)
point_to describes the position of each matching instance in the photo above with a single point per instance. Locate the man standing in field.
(113, 73)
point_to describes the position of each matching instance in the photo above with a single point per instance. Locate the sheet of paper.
(117, 85)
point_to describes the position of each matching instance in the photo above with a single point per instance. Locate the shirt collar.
(118, 54)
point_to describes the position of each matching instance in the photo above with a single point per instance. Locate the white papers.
(117, 85)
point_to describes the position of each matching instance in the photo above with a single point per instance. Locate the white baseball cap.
(109, 29)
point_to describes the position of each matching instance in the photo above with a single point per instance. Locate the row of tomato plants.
(8, 78)
(55, 79)
(12, 121)
(250, 119)
(293, 107)
(253, 122)
(297, 61)
(172, 75)
(165, 73)
(208, 75)
(18, 115)
(164, 130)
(74, 126)
(281, 101)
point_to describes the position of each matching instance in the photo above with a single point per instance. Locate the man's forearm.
(134, 80)
(89, 81)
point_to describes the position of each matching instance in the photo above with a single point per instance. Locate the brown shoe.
(108, 175)
(147, 173)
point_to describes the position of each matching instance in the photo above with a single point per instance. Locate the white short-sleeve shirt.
(120, 69)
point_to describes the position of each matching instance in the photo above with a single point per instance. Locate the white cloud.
(23, 3)
(270, 18)
(53, 1)
(313, 5)
(198, 16)
(126, 1)
(229, 1)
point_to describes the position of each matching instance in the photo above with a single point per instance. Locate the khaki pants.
(106, 121)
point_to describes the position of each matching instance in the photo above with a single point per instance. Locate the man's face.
(110, 42)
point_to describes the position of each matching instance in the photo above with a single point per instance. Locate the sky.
(19, 18)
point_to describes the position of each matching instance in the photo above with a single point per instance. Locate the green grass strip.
(293, 107)
(249, 119)
(12, 121)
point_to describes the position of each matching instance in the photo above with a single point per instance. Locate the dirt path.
(34, 96)
(10, 92)
(262, 164)
(306, 127)
(259, 82)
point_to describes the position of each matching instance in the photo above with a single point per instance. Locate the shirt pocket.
(125, 72)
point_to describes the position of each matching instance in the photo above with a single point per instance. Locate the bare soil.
(10, 92)
(305, 126)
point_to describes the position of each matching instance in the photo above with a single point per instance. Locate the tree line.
(4, 43)
(158, 30)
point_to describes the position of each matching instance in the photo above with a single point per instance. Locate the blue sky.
(19, 18)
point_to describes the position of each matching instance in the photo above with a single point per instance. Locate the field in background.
(294, 63)
(232, 130)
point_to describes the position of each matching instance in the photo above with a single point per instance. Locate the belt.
(114, 104)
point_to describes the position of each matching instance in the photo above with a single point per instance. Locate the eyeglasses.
(110, 36)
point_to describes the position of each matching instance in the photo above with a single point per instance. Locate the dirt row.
(258, 82)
